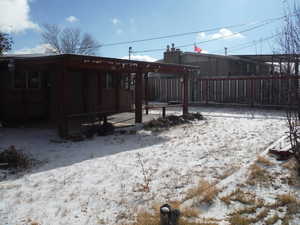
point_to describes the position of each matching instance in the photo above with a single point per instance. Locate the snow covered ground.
(101, 181)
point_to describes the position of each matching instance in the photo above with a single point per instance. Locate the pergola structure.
(64, 65)
(277, 58)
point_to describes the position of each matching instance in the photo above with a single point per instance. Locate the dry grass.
(286, 199)
(272, 220)
(239, 196)
(263, 160)
(293, 177)
(290, 164)
(237, 218)
(243, 197)
(226, 199)
(146, 218)
(259, 175)
(204, 191)
(189, 212)
(228, 172)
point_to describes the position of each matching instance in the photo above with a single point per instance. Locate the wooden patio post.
(138, 97)
(146, 93)
(185, 108)
(117, 90)
(297, 67)
(280, 66)
(252, 92)
(64, 88)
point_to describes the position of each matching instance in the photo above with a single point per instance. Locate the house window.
(109, 80)
(29, 80)
(20, 80)
(125, 82)
(34, 80)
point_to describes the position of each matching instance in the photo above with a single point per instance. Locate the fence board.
(246, 90)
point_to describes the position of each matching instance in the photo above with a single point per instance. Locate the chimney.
(173, 47)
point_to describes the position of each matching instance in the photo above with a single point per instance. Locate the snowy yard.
(101, 181)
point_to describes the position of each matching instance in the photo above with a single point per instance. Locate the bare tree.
(69, 40)
(5, 43)
(289, 40)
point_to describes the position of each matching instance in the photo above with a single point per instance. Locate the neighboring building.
(217, 65)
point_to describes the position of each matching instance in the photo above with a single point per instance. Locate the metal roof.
(271, 57)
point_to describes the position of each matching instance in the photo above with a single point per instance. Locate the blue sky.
(110, 21)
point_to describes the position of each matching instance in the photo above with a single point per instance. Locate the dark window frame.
(27, 76)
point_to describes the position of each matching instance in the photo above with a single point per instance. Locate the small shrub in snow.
(146, 176)
(171, 120)
(12, 158)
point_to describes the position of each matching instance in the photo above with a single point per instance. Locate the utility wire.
(244, 45)
(262, 23)
(187, 33)
(210, 40)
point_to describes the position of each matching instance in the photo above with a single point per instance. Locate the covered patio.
(73, 89)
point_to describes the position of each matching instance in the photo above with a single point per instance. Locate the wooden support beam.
(280, 66)
(185, 107)
(138, 97)
(146, 93)
(296, 67)
(117, 90)
(63, 102)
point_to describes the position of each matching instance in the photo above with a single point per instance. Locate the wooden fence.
(262, 91)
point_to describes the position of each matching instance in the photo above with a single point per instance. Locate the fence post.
(252, 92)
(164, 112)
(185, 107)
(206, 91)
(146, 93)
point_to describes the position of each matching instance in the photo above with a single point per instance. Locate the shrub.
(172, 120)
(12, 158)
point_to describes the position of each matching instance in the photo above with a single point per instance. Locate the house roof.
(270, 57)
(96, 62)
(231, 57)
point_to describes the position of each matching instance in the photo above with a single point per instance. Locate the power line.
(245, 45)
(187, 33)
(215, 39)
(170, 36)
(264, 22)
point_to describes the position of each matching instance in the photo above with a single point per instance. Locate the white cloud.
(226, 34)
(72, 19)
(201, 35)
(141, 58)
(42, 48)
(14, 16)
(119, 31)
(222, 33)
(115, 21)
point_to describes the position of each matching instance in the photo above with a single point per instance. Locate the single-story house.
(60, 88)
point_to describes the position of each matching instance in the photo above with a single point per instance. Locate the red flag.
(197, 49)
